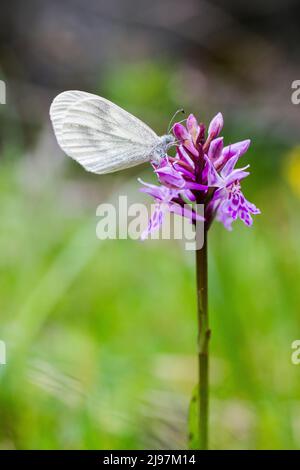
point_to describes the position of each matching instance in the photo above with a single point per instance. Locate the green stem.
(203, 340)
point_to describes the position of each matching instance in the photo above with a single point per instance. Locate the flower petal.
(169, 176)
(196, 186)
(236, 175)
(184, 171)
(183, 155)
(228, 168)
(180, 132)
(215, 148)
(239, 148)
(213, 178)
(193, 127)
(155, 221)
(161, 193)
(216, 125)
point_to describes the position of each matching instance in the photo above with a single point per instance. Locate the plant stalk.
(203, 344)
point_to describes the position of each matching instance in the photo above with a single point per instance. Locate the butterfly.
(101, 136)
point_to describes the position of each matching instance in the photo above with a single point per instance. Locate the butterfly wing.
(98, 134)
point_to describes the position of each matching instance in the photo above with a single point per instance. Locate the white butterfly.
(101, 136)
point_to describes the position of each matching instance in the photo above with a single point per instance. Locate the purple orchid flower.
(202, 171)
(228, 201)
(234, 205)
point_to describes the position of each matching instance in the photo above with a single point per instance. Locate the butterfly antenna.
(181, 110)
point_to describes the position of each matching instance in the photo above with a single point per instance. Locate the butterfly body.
(101, 136)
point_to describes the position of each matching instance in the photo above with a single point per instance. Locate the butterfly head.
(167, 140)
(160, 150)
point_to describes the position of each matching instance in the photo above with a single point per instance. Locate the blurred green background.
(101, 335)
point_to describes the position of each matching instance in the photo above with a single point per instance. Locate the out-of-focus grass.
(101, 336)
(95, 328)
